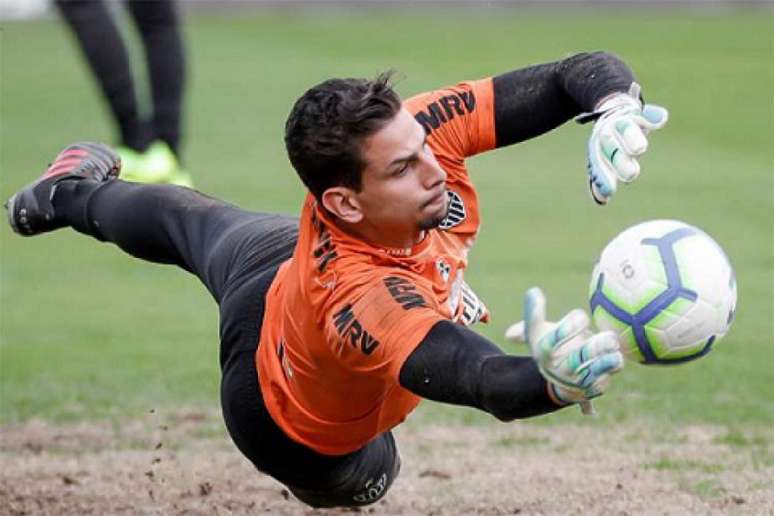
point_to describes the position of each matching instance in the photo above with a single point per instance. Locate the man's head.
(365, 159)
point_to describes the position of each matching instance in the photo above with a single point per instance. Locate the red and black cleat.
(30, 211)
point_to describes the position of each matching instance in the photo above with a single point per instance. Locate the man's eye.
(402, 170)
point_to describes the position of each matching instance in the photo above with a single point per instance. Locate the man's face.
(403, 186)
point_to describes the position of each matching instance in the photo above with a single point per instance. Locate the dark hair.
(325, 129)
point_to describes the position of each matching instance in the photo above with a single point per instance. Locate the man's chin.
(434, 221)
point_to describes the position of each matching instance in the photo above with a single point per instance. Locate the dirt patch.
(185, 464)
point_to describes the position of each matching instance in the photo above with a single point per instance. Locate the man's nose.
(432, 173)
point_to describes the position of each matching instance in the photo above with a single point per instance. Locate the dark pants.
(235, 253)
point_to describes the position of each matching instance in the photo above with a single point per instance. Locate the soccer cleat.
(30, 210)
(158, 164)
(131, 161)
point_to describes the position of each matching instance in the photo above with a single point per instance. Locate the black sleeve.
(455, 365)
(531, 101)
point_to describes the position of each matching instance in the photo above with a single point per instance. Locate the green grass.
(524, 442)
(667, 464)
(738, 438)
(88, 332)
(708, 488)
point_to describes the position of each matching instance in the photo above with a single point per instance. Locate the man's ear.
(342, 202)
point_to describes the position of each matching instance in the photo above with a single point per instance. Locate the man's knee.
(374, 490)
(364, 493)
(365, 483)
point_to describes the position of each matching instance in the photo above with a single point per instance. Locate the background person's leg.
(159, 26)
(101, 43)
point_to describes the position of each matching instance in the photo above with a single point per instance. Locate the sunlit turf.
(88, 332)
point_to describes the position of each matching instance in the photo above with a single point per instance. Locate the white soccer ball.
(666, 288)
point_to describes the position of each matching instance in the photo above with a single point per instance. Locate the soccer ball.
(666, 288)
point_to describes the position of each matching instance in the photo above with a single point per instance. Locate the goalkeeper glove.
(576, 363)
(618, 138)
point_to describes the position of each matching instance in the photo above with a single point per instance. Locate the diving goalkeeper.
(334, 325)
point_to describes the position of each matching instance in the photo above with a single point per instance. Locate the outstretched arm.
(456, 365)
(569, 364)
(531, 101)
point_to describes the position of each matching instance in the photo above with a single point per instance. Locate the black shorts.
(236, 255)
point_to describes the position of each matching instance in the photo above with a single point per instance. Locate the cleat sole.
(9, 206)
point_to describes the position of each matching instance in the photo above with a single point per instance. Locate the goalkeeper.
(334, 325)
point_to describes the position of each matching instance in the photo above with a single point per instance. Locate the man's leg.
(159, 223)
(357, 479)
(173, 225)
(364, 479)
(101, 43)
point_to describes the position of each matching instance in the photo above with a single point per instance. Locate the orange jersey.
(342, 316)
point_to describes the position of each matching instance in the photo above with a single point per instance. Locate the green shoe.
(139, 169)
(131, 160)
(157, 164)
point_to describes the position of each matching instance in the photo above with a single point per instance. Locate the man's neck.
(377, 238)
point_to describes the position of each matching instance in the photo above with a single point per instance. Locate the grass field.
(88, 333)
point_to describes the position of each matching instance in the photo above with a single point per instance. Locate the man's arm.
(531, 101)
(569, 364)
(455, 365)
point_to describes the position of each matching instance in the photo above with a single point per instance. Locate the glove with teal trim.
(619, 137)
(576, 362)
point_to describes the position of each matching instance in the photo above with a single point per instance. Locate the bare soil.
(185, 464)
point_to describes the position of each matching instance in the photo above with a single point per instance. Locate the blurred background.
(89, 333)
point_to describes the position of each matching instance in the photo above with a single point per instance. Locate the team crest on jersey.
(456, 213)
(473, 309)
(444, 269)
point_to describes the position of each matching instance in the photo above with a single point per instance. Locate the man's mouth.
(437, 199)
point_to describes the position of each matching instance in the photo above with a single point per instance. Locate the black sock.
(70, 201)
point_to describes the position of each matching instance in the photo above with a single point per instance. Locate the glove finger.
(653, 117)
(571, 325)
(602, 178)
(608, 143)
(630, 136)
(534, 313)
(596, 195)
(604, 365)
(515, 332)
(609, 363)
(627, 168)
(602, 357)
(601, 344)
(598, 345)
(598, 387)
(624, 141)
(635, 90)
(615, 158)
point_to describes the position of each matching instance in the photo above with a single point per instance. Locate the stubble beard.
(434, 221)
